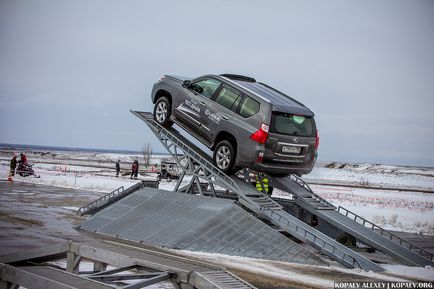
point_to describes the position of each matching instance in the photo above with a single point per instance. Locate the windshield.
(290, 124)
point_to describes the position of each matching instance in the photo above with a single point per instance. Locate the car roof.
(279, 101)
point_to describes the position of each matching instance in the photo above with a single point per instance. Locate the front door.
(192, 109)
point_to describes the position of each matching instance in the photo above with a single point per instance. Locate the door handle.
(225, 117)
(202, 103)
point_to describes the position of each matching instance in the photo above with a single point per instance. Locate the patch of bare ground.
(63, 201)
(71, 216)
(17, 220)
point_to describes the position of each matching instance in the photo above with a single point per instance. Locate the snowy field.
(392, 209)
(407, 211)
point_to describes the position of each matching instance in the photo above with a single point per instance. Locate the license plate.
(291, 149)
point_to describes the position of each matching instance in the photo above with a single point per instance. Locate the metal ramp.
(353, 224)
(192, 160)
(196, 223)
(200, 165)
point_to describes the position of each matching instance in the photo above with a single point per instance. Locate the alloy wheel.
(223, 157)
(161, 112)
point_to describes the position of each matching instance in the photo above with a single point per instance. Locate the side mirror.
(186, 83)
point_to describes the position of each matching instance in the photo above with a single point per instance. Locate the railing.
(323, 244)
(114, 195)
(302, 183)
(101, 201)
(385, 233)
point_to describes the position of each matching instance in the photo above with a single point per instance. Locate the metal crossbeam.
(150, 281)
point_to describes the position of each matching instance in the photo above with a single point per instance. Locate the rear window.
(290, 124)
(249, 107)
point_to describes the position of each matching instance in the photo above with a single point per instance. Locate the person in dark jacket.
(118, 168)
(134, 169)
(23, 159)
(136, 172)
(13, 165)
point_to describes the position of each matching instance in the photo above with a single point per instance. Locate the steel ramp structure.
(200, 165)
(196, 223)
(365, 231)
(194, 161)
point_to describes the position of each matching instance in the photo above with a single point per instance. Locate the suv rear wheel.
(162, 111)
(224, 156)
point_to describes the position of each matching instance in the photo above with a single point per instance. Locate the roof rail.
(278, 91)
(239, 77)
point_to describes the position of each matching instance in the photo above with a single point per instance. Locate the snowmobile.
(26, 170)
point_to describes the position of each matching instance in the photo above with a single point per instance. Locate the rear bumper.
(248, 158)
(274, 169)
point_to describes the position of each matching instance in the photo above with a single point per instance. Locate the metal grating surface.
(197, 223)
(221, 279)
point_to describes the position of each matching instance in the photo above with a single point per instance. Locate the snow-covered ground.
(374, 175)
(408, 211)
(392, 209)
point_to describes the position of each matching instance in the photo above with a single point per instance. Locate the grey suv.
(246, 123)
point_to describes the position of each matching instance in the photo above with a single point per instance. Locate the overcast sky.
(71, 70)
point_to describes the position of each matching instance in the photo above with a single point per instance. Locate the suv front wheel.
(162, 112)
(224, 156)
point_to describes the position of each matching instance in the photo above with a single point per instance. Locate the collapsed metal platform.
(195, 162)
(35, 268)
(197, 223)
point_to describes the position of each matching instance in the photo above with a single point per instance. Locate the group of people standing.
(134, 169)
(14, 163)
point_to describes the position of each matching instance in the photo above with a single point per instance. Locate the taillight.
(261, 135)
(317, 141)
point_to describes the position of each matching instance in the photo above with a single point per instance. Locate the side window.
(249, 107)
(228, 98)
(206, 87)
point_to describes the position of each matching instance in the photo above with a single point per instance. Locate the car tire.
(224, 156)
(162, 111)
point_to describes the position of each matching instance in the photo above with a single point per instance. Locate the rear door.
(291, 138)
(220, 110)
